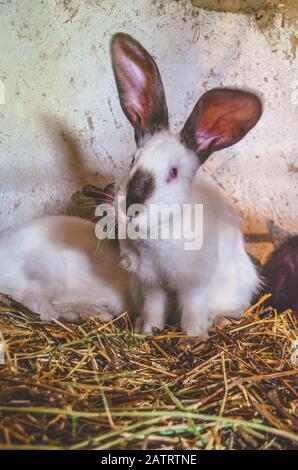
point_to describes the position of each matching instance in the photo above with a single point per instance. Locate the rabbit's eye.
(173, 173)
(132, 161)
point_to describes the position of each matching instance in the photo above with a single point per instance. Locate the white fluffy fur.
(216, 281)
(55, 267)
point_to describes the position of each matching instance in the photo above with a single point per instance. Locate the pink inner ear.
(226, 116)
(204, 141)
(135, 83)
(220, 118)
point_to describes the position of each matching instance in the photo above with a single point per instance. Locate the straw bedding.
(100, 386)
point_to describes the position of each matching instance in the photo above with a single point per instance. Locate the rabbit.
(280, 274)
(55, 267)
(213, 282)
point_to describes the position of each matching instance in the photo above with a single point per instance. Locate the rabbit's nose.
(139, 188)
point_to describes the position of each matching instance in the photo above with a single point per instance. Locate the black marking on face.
(139, 188)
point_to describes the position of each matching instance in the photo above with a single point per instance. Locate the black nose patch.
(139, 188)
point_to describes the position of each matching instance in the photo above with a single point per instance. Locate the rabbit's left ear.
(220, 118)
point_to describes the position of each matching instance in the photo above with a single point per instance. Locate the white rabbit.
(219, 279)
(55, 267)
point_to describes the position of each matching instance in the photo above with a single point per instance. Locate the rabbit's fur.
(219, 279)
(55, 267)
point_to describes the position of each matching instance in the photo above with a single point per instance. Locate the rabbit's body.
(234, 280)
(209, 283)
(55, 267)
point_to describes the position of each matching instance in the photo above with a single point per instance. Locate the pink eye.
(172, 174)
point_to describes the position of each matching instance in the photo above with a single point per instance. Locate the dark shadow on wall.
(77, 168)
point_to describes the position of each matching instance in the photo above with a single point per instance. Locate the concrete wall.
(61, 124)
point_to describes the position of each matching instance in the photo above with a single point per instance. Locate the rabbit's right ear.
(140, 87)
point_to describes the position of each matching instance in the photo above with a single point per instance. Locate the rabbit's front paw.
(124, 263)
(195, 321)
(154, 311)
(129, 262)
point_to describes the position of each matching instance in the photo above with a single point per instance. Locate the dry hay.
(99, 386)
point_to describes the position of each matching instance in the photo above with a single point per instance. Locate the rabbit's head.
(164, 164)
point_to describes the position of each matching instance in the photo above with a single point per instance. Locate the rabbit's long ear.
(140, 87)
(220, 118)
